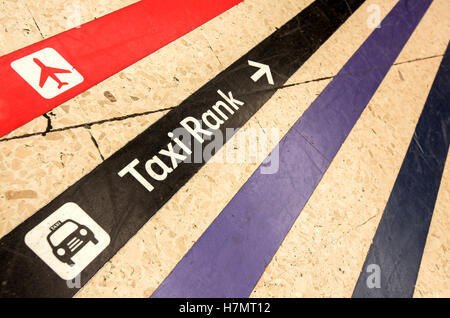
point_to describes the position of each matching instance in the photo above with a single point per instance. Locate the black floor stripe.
(393, 261)
(119, 206)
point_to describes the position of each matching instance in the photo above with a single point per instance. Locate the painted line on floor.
(232, 254)
(109, 205)
(39, 77)
(394, 258)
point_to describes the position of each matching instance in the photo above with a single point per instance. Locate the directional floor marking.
(263, 70)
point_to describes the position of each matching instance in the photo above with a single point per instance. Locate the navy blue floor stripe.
(400, 239)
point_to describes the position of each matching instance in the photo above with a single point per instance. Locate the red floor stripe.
(96, 51)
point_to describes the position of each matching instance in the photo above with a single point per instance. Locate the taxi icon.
(68, 238)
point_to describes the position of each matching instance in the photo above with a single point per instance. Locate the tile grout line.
(34, 20)
(87, 125)
(114, 119)
(94, 141)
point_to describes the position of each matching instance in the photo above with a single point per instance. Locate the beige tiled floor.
(325, 250)
(43, 167)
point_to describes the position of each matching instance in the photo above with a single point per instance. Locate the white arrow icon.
(263, 70)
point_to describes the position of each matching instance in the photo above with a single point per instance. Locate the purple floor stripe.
(233, 252)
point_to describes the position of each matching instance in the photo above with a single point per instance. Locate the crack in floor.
(34, 20)
(87, 125)
(121, 118)
(49, 124)
(94, 141)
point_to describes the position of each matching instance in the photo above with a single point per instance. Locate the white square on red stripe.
(47, 72)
